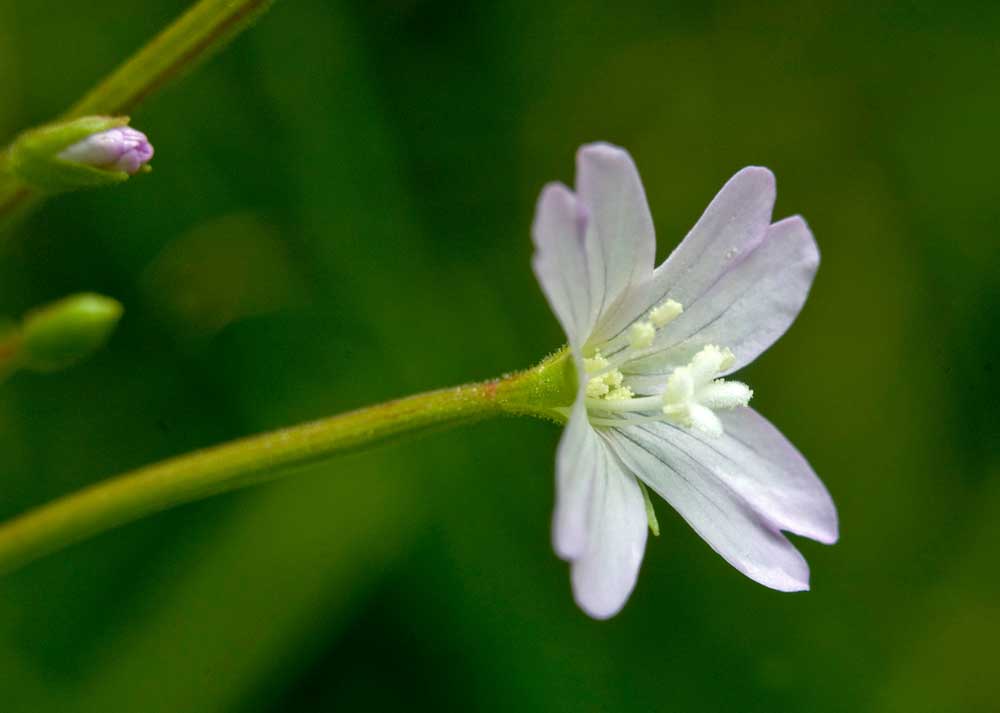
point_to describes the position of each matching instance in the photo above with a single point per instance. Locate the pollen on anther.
(665, 313)
(641, 335)
(622, 393)
(595, 363)
(596, 388)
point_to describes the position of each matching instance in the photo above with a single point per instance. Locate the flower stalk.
(540, 392)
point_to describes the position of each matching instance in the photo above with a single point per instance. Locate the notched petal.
(605, 574)
(622, 242)
(560, 260)
(727, 522)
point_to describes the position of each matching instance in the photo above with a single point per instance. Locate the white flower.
(652, 348)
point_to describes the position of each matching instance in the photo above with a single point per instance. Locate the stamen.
(622, 393)
(596, 388)
(641, 335)
(632, 404)
(607, 383)
(595, 363)
(659, 316)
(665, 313)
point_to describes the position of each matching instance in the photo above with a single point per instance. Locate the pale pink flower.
(651, 347)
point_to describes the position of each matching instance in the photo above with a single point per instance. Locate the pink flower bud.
(119, 149)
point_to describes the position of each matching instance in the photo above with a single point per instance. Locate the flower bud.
(119, 149)
(83, 153)
(59, 334)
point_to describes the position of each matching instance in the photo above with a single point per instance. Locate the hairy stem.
(233, 465)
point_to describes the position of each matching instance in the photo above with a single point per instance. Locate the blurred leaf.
(224, 270)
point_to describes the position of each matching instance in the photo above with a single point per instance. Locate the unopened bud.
(83, 153)
(59, 334)
(120, 149)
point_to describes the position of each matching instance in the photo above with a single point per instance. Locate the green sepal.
(64, 332)
(546, 391)
(654, 524)
(33, 157)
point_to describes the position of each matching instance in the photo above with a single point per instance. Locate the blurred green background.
(339, 214)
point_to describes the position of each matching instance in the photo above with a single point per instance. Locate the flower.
(652, 349)
(119, 149)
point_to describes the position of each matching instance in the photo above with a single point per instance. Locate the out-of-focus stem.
(203, 30)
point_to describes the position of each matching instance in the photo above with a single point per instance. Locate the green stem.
(197, 34)
(541, 392)
(204, 29)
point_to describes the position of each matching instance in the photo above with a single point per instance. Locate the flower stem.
(256, 459)
(204, 29)
(201, 31)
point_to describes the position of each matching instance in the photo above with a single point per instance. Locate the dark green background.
(340, 213)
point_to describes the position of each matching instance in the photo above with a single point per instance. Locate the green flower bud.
(89, 152)
(64, 332)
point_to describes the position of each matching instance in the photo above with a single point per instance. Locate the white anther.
(641, 334)
(622, 393)
(665, 313)
(595, 363)
(596, 388)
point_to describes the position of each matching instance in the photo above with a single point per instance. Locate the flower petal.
(717, 512)
(600, 519)
(747, 310)
(622, 248)
(580, 461)
(560, 260)
(605, 574)
(770, 473)
(759, 465)
(733, 225)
